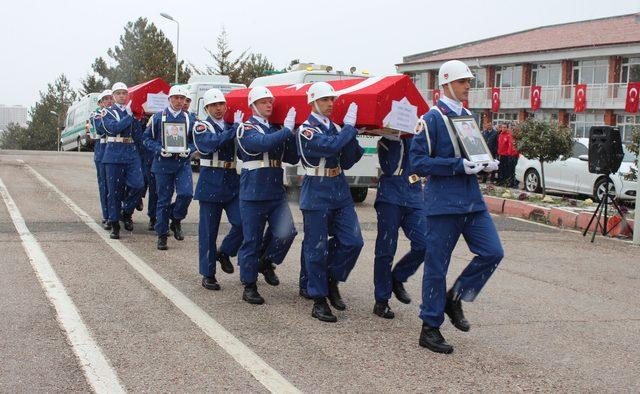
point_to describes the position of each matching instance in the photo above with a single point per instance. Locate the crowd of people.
(135, 157)
(501, 144)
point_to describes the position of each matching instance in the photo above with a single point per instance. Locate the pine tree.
(92, 84)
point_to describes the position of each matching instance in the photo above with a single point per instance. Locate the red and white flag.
(535, 97)
(436, 96)
(465, 103)
(580, 98)
(633, 88)
(495, 99)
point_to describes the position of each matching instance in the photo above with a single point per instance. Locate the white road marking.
(97, 370)
(250, 361)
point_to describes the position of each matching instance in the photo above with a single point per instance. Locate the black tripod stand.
(603, 210)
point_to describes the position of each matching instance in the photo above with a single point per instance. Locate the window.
(582, 122)
(630, 70)
(545, 116)
(480, 80)
(546, 74)
(578, 149)
(590, 71)
(626, 124)
(504, 117)
(508, 76)
(70, 119)
(420, 80)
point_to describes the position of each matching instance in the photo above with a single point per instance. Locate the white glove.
(290, 120)
(128, 108)
(164, 153)
(351, 116)
(185, 154)
(471, 168)
(238, 116)
(493, 166)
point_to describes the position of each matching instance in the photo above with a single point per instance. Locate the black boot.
(115, 230)
(267, 269)
(251, 294)
(106, 224)
(453, 309)
(431, 338)
(127, 219)
(225, 262)
(334, 295)
(304, 293)
(210, 283)
(140, 205)
(400, 293)
(152, 224)
(176, 227)
(381, 308)
(322, 312)
(162, 242)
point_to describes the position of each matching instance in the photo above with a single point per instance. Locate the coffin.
(386, 105)
(149, 97)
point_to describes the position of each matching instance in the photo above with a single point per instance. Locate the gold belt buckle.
(413, 178)
(227, 164)
(275, 163)
(333, 172)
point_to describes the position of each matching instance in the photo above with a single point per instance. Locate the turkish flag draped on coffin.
(495, 99)
(535, 97)
(580, 98)
(139, 96)
(633, 88)
(375, 97)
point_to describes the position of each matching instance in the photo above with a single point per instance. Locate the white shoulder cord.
(452, 135)
(214, 157)
(240, 134)
(398, 170)
(323, 160)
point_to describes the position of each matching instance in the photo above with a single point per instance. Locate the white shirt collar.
(219, 122)
(173, 112)
(121, 106)
(323, 119)
(261, 120)
(454, 105)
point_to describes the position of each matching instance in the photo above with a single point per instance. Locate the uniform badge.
(200, 128)
(307, 133)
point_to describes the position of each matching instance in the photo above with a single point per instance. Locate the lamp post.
(57, 126)
(167, 16)
(636, 218)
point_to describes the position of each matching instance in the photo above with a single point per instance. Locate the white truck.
(363, 174)
(74, 135)
(199, 84)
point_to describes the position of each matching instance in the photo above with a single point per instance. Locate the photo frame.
(471, 140)
(174, 137)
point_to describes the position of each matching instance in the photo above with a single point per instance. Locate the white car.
(572, 175)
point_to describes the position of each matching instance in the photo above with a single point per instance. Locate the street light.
(167, 16)
(636, 219)
(57, 126)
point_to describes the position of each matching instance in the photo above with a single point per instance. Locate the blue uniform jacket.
(216, 184)
(254, 139)
(96, 123)
(153, 141)
(449, 190)
(316, 142)
(395, 188)
(117, 123)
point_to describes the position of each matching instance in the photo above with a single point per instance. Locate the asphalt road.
(560, 313)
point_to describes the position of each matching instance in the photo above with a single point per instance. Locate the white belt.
(125, 140)
(256, 164)
(328, 172)
(217, 163)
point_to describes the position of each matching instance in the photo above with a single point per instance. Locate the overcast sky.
(42, 39)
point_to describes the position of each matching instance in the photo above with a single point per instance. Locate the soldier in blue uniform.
(121, 160)
(150, 183)
(217, 188)
(263, 148)
(326, 202)
(454, 206)
(172, 171)
(105, 100)
(399, 203)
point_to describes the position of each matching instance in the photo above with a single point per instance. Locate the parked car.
(572, 175)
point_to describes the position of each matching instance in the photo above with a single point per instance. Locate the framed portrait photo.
(471, 140)
(174, 137)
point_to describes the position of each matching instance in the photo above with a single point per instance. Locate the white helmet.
(104, 94)
(453, 70)
(213, 96)
(178, 90)
(257, 93)
(119, 86)
(320, 90)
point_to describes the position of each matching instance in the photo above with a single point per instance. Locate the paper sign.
(403, 116)
(156, 102)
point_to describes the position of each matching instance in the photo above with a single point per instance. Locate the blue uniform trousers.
(255, 216)
(101, 173)
(443, 232)
(180, 181)
(150, 181)
(210, 214)
(335, 256)
(414, 224)
(124, 185)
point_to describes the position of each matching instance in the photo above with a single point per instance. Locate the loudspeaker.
(605, 150)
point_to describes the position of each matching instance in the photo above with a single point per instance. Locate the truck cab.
(78, 133)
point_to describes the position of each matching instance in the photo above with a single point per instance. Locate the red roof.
(596, 32)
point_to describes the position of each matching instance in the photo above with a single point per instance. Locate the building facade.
(603, 54)
(12, 114)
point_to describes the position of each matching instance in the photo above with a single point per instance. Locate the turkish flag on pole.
(436, 96)
(580, 98)
(632, 97)
(495, 99)
(535, 97)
